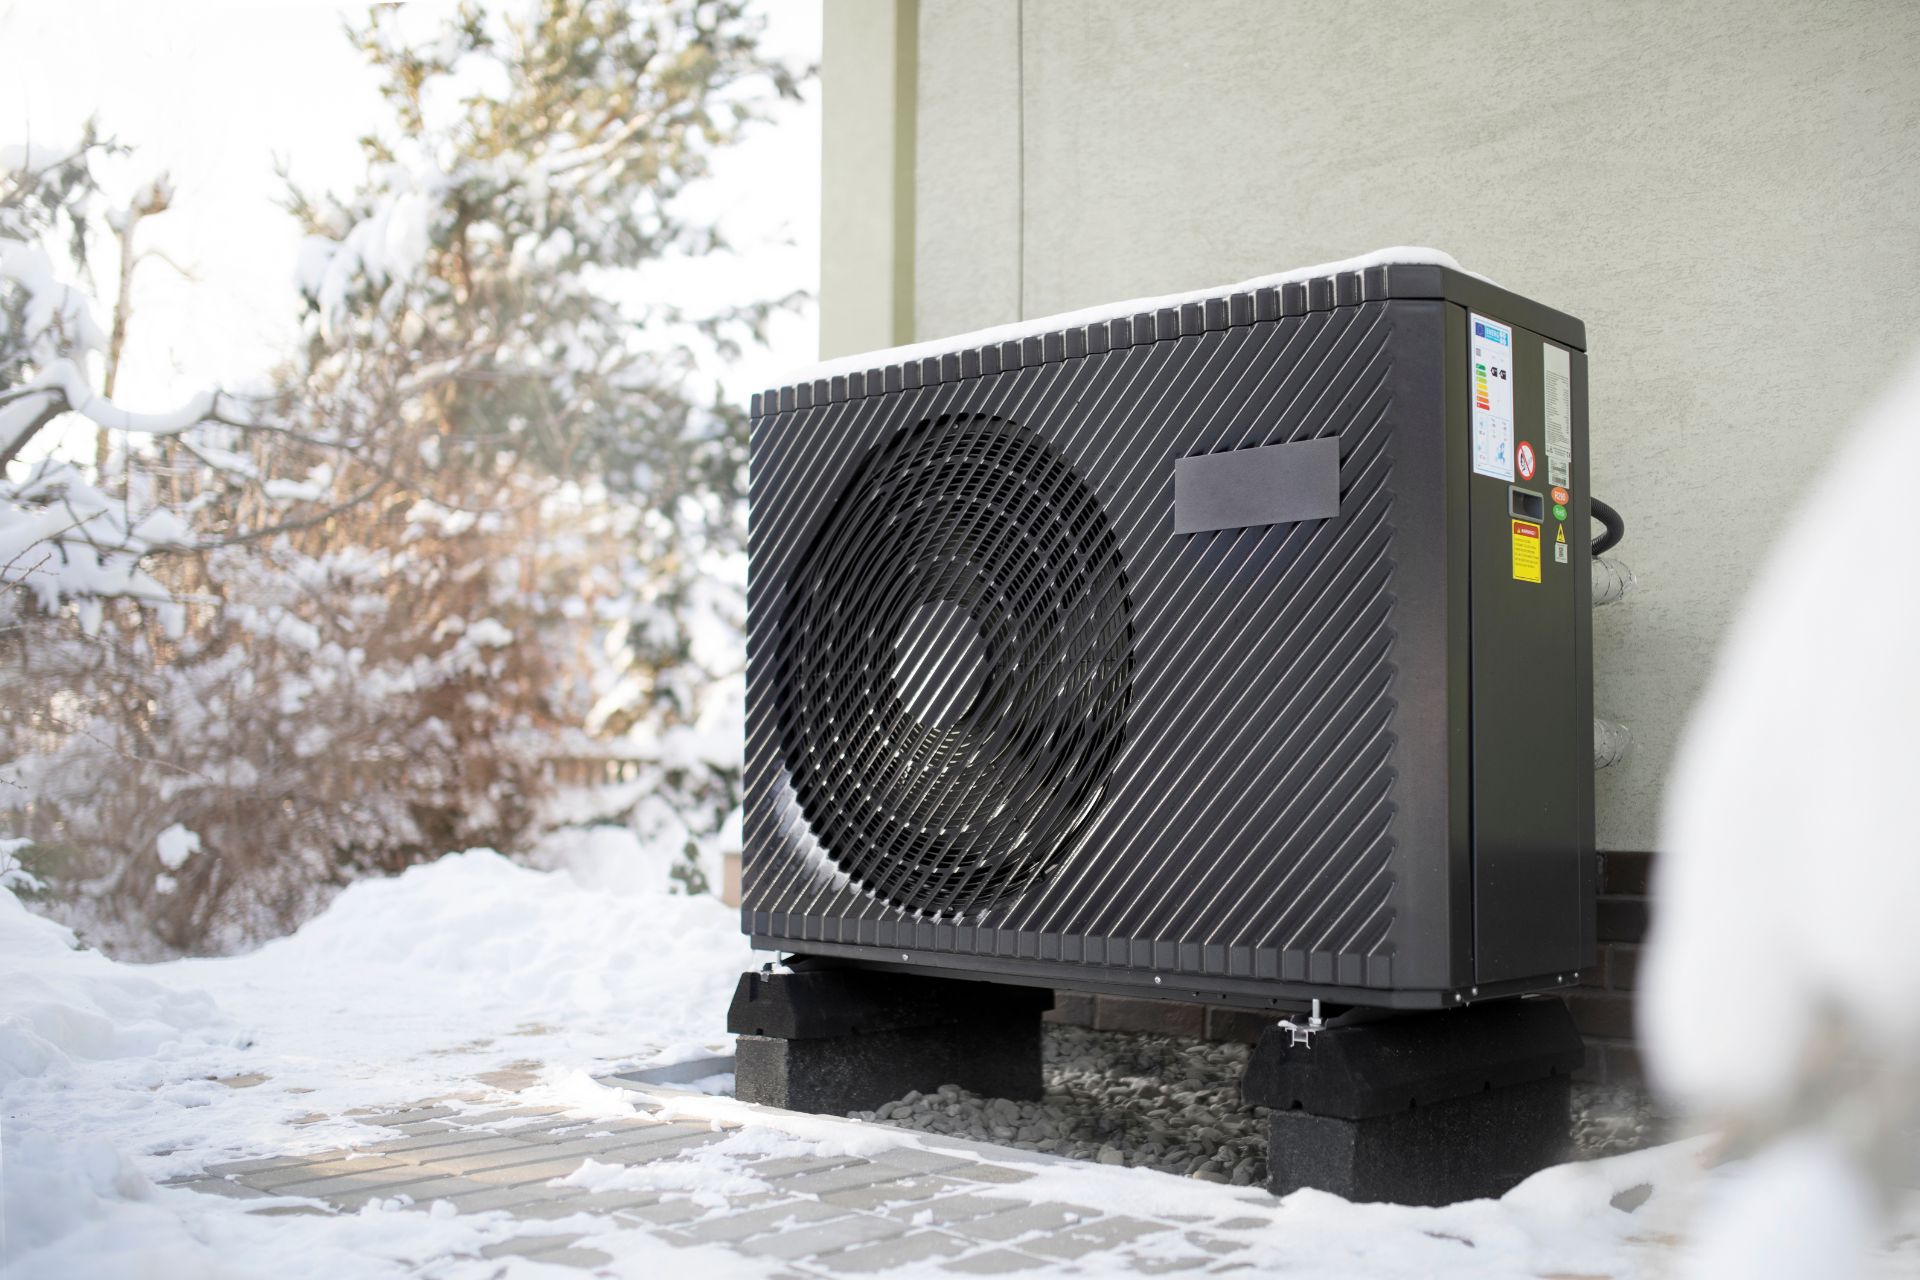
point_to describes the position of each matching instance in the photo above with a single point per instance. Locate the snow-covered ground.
(115, 1077)
(112, 1075)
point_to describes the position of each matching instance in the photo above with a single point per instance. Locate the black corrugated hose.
(1616, 527)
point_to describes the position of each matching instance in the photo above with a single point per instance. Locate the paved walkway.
(953, 1207)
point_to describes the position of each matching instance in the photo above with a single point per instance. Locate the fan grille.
(956, 666)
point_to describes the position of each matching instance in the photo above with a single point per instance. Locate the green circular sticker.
(1559, 512)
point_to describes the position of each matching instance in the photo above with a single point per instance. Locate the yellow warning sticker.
(1526, 551)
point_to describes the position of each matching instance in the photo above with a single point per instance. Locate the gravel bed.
(1166, 1103)
(1609, 1120)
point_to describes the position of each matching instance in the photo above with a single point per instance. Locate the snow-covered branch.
(64, 387)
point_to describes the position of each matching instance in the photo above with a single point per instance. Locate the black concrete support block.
(1425, 1108)
(835, 1040)
(816, 1001)
(859, 1072)
(1461, 1149)
(1372, 1066)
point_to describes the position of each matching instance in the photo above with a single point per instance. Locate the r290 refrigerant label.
(1490, 370)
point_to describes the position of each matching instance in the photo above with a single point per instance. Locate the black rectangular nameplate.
(1276, 484)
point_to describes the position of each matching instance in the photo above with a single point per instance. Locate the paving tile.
(510, 1155)
(450, 1138)
(527, 1246)
(1025, 1220)
(592, 1202)
(340, 1164)
(421, 1128)
(666, 1131)
(1092, 1237)
(564, 1128)
(780, 1166)
(484, 1153)
(381, 1120)
(522, 1174)
(416, 1193)
(673, 1212)
(901, 1251)
(510, 1113)
(646, 1152)
(487, 1199)
(952, 1209)
(347, 1184)
(589, 1146)
(826, 1237)
(218, 1187)
(990, 1173)
(916, 1160)
(880, 1195)
(253, 1166)
(820, 1181)
(734, 1227)
(996, 1262)
(753, 1200)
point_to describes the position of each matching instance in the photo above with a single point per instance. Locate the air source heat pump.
(1233, 646)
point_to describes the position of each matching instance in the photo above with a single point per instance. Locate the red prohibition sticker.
(1523, 460)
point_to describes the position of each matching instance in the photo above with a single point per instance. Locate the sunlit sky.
(215, 94)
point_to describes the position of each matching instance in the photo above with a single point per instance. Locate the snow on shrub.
(487, 514)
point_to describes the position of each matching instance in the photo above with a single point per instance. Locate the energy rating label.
(1490, 362)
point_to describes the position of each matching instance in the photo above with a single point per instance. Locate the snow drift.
(111, 1074)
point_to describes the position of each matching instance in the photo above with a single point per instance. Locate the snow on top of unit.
(1398, 255)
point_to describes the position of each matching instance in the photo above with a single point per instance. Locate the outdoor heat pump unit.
(1231, 647)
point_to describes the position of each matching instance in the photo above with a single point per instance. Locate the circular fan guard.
(956, 662)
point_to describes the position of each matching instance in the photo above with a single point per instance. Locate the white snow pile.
(66, 1015)
(111, 1075)
(1782, 980)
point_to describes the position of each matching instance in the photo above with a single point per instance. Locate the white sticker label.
(1558, 367)
(1490, 370)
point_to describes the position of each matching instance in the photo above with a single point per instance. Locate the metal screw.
(905, 956)
(1156, 979)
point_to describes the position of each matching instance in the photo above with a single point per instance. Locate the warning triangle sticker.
(1560, 533)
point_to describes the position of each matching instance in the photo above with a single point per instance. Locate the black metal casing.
(1005, 721)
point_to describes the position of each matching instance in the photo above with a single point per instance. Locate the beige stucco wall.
(867, 111)
(1728, 193)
